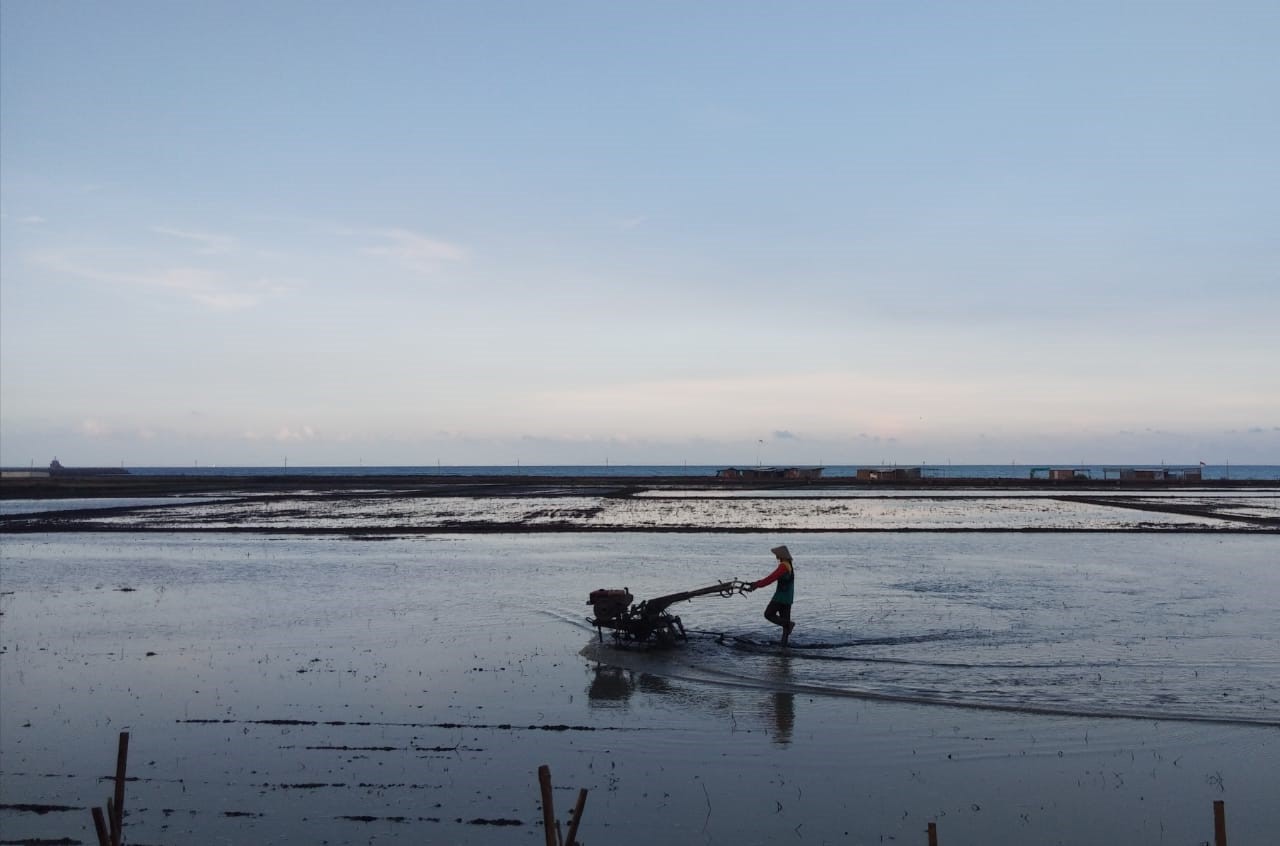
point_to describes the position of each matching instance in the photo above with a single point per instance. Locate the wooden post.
(1219, 823)
(548, 806)
(100, 825)
(577, 818)
(117, 813)
(933, 834)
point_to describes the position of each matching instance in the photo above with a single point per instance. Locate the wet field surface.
(280, 687)
(573, 508)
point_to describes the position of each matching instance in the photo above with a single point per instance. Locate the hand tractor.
(648, 621)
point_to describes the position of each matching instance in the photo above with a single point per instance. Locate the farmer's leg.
(785, 621)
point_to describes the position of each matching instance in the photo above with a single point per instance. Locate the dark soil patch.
(28, 808)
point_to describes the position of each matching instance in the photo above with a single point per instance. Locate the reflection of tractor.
(647, 621)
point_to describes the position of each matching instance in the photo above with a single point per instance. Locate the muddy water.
(1056, 688)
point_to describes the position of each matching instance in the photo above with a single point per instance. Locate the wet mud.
(390, 515)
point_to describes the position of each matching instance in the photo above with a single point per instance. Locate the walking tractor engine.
(647, 621)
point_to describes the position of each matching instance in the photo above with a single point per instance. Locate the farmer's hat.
(781, 552)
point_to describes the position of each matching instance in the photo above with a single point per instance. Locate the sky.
(399, 233)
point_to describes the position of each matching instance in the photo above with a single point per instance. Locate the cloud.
(207, 243)
(203, 286)
(414, 252)
(206, 287)
(744, 406)
(302, 433)
(94, 428)
(283, 433)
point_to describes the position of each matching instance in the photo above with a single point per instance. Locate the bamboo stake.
(117, 814)
(933, 834)
(548, 806)
(577, 818)
(1219, 823)
(100, 824)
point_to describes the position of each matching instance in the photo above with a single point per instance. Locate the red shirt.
(784, 568)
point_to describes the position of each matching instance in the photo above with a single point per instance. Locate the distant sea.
(1210, 472)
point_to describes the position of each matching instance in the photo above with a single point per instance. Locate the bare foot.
(786, 632)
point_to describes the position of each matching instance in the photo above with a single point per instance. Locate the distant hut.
(889, 474)
(1062, 474)
(770, 473)
(1155, 474)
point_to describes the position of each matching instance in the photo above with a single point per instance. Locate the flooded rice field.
(665, 510)
(281, 687)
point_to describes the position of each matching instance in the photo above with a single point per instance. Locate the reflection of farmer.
(778, 611)
(782, 699)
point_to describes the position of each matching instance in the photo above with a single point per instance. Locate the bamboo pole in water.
(110, 826)
(577, 818)
(1219, 823)
(933, 834)
(548, 806)
(100, 825)
(117, 813)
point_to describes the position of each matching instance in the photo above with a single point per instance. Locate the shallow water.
(37, 506)
(1138, 626)
(300, 689)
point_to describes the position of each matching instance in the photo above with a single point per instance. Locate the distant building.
(1154, 474)
(1062, 474)
(770, 473)
(889, 474)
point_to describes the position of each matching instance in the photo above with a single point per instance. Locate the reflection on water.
(784, 701)
(610, 686)
(614, 687)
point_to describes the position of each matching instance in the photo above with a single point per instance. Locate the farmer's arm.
(778, 573)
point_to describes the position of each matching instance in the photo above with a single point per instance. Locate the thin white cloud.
(819, 404)
(204, 287)
(414, 252)
(94, 428)
(300, 433)
(207, 243)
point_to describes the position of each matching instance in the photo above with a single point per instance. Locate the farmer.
(778, 611)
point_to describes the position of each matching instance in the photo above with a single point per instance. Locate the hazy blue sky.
(562, 232)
